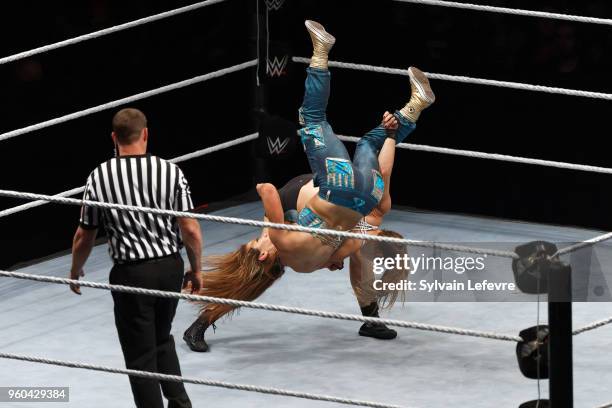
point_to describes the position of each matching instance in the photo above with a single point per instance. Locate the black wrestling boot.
(375, 330)
(194, 336)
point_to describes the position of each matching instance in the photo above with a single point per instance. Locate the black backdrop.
(377, 32)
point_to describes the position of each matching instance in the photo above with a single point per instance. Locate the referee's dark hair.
(128, 125)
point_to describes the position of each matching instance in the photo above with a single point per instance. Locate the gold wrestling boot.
(322, 42)
(421, 97)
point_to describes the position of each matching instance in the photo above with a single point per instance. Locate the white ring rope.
(593, 326)
(467, 80)
(264, 306)
(129, 99)
(179, 159)
(494, 156)
(608, 405)
(106, 31)
(215, 148)
(34, 204)
(407, 146)
(584, 244)
(255, 223)
(286, 309)
(512, 11)
(199, 381)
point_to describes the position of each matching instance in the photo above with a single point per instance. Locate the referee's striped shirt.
(141, 180)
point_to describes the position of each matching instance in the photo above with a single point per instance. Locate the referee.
(145, 250)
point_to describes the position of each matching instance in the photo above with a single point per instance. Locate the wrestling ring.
(426, 366)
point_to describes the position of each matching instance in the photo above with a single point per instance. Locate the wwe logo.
(276, 67)
(276, 146)
(274, 4)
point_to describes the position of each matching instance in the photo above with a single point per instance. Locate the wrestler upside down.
(342, 195)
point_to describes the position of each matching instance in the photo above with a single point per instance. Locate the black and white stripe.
(146, 181)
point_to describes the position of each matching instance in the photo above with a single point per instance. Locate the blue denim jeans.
(355, 184)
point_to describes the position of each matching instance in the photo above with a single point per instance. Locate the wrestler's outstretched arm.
(386, 160)
(273, 212)
(356, 269)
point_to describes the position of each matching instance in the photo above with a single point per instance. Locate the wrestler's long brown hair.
(371, 249)
(238, 275)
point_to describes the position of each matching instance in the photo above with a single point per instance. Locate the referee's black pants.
(144, 323)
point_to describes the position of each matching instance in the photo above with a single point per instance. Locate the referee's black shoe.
(375, 330)
(194, 336)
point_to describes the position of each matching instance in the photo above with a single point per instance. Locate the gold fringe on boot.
(238, 275)
(322, 42)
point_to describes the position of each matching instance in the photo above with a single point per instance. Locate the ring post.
(261, 33)
(560, 341)
(260, 23)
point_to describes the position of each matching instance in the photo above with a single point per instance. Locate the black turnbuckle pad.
(532, 352)
(532, 269)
